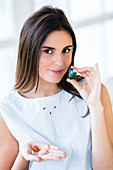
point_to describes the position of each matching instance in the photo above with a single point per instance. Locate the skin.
(93, 92)
(54, 57)
(97, 98)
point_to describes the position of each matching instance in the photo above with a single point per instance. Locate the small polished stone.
(35, 148)
(71, 74)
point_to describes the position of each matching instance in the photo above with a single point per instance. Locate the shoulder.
(106, 102)
(8, 146)
(9, 101)
(5, 134)
(105, 98)
(108, 113)
(103, 88)
(8, 97)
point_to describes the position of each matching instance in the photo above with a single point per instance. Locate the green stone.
(71, 74)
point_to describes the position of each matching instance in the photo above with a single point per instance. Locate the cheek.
(44, 64)
(44, 61)
(41, 61)
(41, 64)
(68, 61)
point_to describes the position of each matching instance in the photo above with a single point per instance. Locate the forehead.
(58, 39)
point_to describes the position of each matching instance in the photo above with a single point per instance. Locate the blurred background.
(92, 21)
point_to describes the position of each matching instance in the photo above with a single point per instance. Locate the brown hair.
(35, 30)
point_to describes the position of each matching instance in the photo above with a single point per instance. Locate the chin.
(55, 81)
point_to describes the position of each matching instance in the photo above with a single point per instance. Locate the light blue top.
(54, 120)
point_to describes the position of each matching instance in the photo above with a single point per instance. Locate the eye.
(48, 51)
(66, 50)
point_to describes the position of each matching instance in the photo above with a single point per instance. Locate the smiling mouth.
(57, 72)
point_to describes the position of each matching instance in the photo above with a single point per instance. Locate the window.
(7, 30)
(92, 21)
(12, 16)
(93, 24)
(7, 47)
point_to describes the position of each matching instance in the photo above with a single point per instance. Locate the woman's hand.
(45, 152)
(91, 90)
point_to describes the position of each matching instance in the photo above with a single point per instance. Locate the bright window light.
(7, 30)
(108, 5)
(84, 9)
(90, 47)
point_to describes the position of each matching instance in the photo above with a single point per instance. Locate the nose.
(58, 60)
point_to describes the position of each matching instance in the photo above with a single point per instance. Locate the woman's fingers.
(97, 71)
(44, 152)
(50, 157)
(31, 157)
(47, 152)
(37, 151)
(53, 155)
(91, 74)
(54, 147)
(84, 70)
(45, 155)
(56, 153)
(51, 152)
(75, 84)
(45, 146)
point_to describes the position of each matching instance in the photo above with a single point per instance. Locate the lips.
(57, 72)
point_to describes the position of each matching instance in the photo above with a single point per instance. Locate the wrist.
(20, 156)
(20, 163)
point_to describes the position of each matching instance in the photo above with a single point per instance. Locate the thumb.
(31, 157)
(75, 84)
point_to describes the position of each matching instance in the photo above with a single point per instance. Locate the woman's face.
(56, 56)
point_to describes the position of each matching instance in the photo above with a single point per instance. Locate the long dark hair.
(35, 30)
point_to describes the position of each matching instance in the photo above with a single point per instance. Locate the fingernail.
(38, 159)
(67, 79)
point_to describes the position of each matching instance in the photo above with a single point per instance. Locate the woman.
(51, 111)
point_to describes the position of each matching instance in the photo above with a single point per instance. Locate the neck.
(43, 91)
(50, 90)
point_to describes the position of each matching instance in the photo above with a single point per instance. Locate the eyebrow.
(52, 48)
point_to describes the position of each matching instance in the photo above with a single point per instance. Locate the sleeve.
(14, 123)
